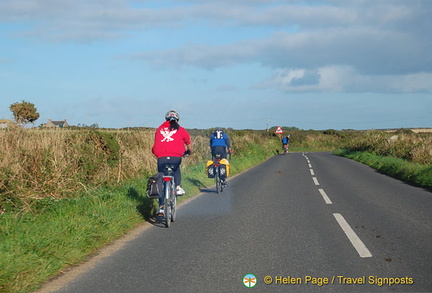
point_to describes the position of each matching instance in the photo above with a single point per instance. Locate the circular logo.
(249, 280)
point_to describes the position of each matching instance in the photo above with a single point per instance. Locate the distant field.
(415, 130)
(419, 130)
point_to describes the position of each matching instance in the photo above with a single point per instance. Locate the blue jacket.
(219, 138)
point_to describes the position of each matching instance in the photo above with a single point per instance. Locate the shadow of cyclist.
(199, 184)
(144, 206)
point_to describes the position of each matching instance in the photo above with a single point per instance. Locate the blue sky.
(340, 64)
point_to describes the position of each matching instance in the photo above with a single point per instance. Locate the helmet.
(172, 115)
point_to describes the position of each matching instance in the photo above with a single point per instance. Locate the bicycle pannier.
(155, 186)
(224, 168)
(210, 169)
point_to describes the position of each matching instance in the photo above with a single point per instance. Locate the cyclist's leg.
(161, 162)
(176, 162)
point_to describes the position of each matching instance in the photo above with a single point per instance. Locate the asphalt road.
(302, 222)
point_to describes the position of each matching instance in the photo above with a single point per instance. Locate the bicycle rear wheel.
(167, 215)
(218, 181)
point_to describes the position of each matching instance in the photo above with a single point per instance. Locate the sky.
(243, 64)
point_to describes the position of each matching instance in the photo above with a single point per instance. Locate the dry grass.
(412, 147)
(38, 164)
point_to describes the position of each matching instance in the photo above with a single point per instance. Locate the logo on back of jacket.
(167, 134)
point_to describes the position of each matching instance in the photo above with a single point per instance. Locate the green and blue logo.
(249, 280)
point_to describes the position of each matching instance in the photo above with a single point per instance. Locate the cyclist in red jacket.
(170, 144)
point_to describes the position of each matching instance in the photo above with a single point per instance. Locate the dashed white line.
(352, 236)
(325, 197)
(349, 232)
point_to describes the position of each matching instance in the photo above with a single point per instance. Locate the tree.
(24, 112)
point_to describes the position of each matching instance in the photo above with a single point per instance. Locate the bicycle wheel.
(167, 215)
(173, 204)
(218, 181)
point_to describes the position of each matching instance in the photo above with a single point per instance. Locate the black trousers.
(176, 162)
(219, 149)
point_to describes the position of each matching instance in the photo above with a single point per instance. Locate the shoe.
(180, 191)
(161, 212)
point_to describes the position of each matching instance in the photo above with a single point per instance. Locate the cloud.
(370, 51)
(345, 79)
(71, 19)
(385, 40)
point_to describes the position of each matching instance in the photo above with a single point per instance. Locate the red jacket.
(170, 143)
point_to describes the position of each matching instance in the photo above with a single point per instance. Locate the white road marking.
(352, 236)
(315, 180)
(312, 172)
(325, 197)
(310, 166)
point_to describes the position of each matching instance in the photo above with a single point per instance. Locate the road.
(301, 222)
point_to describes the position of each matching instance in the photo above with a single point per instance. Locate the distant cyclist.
(220, 143)
(285, 143)
(170, 143)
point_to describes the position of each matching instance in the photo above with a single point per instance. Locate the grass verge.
(412, 173)
(65, 232)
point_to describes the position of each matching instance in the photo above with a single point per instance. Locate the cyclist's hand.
(187, 153)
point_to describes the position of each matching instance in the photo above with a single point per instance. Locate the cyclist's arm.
(189, 149)
(227, 141)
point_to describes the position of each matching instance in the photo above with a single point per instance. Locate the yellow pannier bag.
(210, 169)
(227, 164)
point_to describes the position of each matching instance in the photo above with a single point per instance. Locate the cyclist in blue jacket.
(219, 143)
(285, 143)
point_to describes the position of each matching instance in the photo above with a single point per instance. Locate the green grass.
(415, 174)
(36, 246)
(60, 233)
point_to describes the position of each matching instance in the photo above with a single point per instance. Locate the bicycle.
(169, 196)
(285, 148)
(169, 193)
(220, 184)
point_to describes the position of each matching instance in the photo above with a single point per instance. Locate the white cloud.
(313, 43)
(345, 79)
